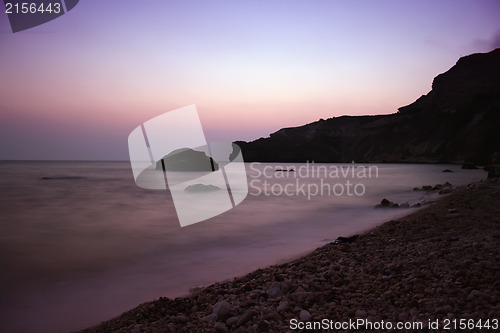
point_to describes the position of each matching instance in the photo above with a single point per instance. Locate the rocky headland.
(456, 122)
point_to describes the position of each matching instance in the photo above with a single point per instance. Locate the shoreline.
(439, 263)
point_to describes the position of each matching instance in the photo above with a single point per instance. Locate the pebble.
(136, 329)
(246, 316)
(305, 315)
(361, 314)
(220, 327)
(275, 292)
(231, 321)
(222, 308)
(283, 306)
(210, 317)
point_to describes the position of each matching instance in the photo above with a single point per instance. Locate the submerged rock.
(387, 204)
(440, 188)
(62, 178)
(201, 188)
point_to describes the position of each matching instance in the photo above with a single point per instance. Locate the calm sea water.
(87, 243)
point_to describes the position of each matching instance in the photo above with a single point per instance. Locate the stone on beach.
(222, 308)
(305, 315)
(220, 327)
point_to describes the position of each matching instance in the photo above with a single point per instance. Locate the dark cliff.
(457, 121)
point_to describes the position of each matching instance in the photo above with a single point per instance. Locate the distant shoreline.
(322, 162)
(435, 265)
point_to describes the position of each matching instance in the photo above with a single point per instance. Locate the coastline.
(439, 263)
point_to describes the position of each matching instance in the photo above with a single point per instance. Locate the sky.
(75, 87)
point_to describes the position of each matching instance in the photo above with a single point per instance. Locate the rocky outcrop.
(186, 159)
(456, 122)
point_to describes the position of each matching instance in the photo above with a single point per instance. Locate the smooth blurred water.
(87, 243)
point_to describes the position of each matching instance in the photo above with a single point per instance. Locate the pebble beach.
(435, 269)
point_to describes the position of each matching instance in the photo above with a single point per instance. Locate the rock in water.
(186, 159)
(196, 188)
(346, 239)
(275, 292)
(385, 203)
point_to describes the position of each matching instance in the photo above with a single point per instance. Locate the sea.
(81, 243)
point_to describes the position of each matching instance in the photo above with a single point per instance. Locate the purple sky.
(75, 87)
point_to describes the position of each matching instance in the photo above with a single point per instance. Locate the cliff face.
(457, 121)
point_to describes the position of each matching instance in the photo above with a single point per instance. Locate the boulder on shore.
(387, 204)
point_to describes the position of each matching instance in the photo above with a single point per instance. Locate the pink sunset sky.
(75, 87)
